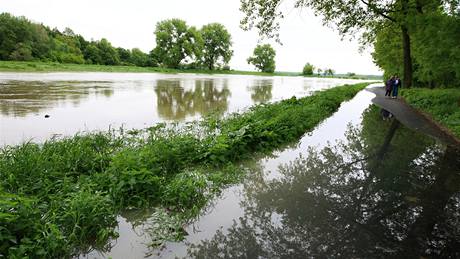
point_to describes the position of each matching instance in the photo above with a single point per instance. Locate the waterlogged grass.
(61, 197)
(443, 105)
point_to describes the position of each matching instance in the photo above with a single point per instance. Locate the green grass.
(62, 197)
(443, 105)
(35, 66)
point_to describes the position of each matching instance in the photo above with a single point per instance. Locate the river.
(79, 102)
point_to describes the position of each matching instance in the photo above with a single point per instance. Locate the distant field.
(22, 66)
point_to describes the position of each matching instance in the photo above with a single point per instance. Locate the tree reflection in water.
(384, 192)
(175, 102)
(261, 90)
(21, 98)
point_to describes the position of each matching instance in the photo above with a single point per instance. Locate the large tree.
(216, 45)
(263, 58)
(351, 17)
(176, 43)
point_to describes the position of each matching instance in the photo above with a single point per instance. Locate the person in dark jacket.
(389, 86)
(396, 86)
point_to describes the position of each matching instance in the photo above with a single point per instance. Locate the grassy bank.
(60, 197)
(22, 66)
(443, 105)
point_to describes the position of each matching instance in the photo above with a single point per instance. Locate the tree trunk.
(407, 80)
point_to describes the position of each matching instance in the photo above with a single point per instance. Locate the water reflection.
(20, 98)
(261, 90)
(384, 192)
(176, 101)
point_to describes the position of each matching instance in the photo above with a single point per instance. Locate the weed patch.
(441, 104)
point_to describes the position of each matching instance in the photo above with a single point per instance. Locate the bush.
(308, 69)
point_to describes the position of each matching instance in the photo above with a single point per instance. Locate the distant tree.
(15, 36)
(22, 52)
(308, 69)
(176, 43)
(328, 72)
(108, 54)
(263, 58)
(66, 49)
(41, 42)
(216, 45)
(319, 71)
(92, 54)
(139, 58)
(351, 74)
(125, 56)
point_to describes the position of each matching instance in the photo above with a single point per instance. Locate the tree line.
(178, 46)
(23, 40)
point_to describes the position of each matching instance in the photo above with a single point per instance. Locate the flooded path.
(76, 102)
(356, 186)
(410, 117)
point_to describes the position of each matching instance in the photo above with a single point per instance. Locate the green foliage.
(107, 53)
(62, 196)
(308, 69)
(216, 45)
(139, 58)
(441, 104)
(433, 48)
(368, 18)
(263, 58)
(328, 72)
(177, 43)
(23, 40)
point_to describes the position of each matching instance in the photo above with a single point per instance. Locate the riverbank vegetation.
(192, 48)
(443, 105)
(34, 66)
(62, 196)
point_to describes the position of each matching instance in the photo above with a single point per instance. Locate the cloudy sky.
(131, 24)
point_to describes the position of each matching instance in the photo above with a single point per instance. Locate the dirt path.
(411, 117)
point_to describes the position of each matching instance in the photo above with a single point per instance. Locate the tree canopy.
(216, 45)
(366, 18)
(177, 43)
(263, 58)
(308, 69)
(21, 39)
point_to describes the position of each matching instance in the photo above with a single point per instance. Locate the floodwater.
(77, 102)
(357, 186)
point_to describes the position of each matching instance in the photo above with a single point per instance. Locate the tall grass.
(443, 105)
(62, 196)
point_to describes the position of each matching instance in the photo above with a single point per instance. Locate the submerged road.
(411, 117)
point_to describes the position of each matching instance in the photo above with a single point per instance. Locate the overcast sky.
(130, 24)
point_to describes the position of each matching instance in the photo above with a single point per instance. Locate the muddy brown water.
(77, 102)
(357, 186)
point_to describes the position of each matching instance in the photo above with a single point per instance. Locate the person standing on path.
(389, 86)
(396, 85)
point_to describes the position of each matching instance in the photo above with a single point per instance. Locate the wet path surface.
(410, 117)
(357, 186)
